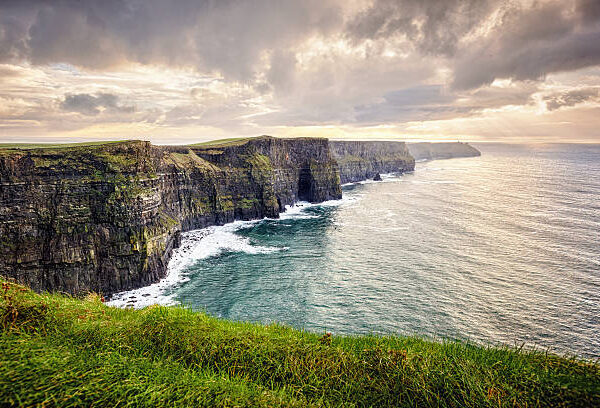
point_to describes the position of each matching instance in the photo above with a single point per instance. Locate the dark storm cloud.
(91, 105)
(13, 43)
(529, 62)
(435, 27)
(588, 10)
(226, 35)
(572, 98)
(525, 42)
(529, 44)
(231, 36)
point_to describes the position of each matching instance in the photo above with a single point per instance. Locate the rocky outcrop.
(362, 160)
(106, 218)
(442, 150)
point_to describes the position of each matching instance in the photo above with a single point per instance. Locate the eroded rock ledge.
(106, 218)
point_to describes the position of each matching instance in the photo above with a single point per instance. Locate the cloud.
(524, 46)
(435, 102)
(281, 71)
(415, 103)
(433, 27)
(588, 11)
(572, 98)
(250, 66)
(93, 105)
(226, 36)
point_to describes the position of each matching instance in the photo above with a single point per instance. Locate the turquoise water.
(503, 248)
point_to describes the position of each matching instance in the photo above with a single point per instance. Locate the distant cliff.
(361, 160)
(442, 150)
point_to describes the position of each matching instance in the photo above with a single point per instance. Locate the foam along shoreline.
(195, 245)
(205, 243)
(385, 178)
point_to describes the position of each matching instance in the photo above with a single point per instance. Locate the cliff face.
(361, 160)
(445, 150)
(106, 218)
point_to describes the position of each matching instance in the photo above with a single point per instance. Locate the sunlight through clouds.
(407, 69)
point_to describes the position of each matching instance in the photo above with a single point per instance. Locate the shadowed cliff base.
(106, 217)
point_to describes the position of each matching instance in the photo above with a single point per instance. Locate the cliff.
(362, 160)
(106, 218)
(444, 150)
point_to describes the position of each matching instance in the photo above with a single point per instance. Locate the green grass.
(232, 141)
(26, 146)
(61, 351)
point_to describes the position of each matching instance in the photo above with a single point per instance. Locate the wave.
(297, 211)
(208, 242)
(195, 245)
(385, 178)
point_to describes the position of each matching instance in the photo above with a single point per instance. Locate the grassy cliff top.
(27, 146)
(232, 141)
(60, 351)
(18, 149)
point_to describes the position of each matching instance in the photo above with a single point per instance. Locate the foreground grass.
(60, 351)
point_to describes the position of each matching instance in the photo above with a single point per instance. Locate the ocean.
(498, 249)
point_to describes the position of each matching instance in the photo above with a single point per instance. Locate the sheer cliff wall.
(106, 218)
(361, 160)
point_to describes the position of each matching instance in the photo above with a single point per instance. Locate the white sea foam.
(297, 211)
(204, 243)
(385, 178)
(195, 245)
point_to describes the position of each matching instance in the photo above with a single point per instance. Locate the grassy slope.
(59, 351)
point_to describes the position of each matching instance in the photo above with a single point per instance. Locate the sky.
(193, 70)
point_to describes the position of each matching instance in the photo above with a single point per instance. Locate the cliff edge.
(362, 160)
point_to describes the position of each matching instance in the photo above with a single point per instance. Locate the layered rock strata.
(362, 160)
(106, 218)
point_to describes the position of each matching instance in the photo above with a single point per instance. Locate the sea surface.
(498, 249)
